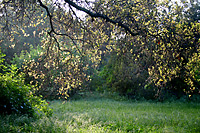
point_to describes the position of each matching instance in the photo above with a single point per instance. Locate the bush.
(15, 96)
(123, 76)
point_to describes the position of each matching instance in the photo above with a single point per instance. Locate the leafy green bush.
(124, 76)
(16, 96)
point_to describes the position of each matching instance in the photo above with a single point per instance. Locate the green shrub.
(16, 96)
(123, 76)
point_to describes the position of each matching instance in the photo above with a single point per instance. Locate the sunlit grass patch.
(128, 116)
(106, 115)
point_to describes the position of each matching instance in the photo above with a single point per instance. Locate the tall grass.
(107, 115)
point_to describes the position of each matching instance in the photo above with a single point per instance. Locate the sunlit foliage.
(155, 36)
(16, 96)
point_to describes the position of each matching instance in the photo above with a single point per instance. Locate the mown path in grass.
(107, 115)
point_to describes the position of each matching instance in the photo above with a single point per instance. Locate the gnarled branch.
(98, 15)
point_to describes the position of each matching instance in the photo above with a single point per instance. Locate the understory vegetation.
(16, 97)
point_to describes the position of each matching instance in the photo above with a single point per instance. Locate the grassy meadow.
(98, 115)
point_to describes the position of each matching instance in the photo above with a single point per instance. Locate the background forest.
(55, 49)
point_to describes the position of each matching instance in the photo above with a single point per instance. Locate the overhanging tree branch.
(53, 30)
(98, 15)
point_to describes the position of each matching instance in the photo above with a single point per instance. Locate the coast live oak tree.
(151, 28)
